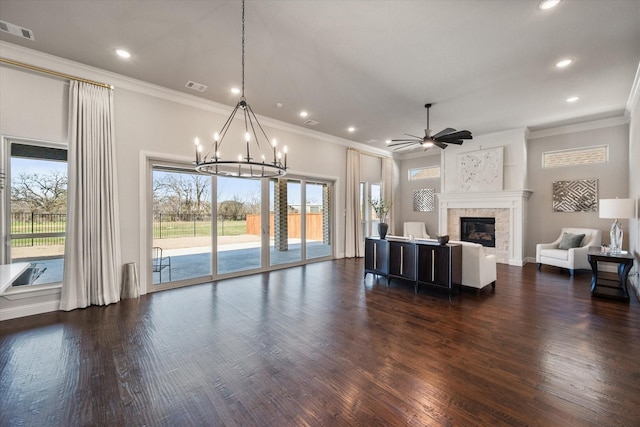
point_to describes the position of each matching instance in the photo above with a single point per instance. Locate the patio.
(194, 262)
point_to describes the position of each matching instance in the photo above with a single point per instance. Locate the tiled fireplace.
(507, 207)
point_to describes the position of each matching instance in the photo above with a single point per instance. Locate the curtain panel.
(354, 241)
(92, 249)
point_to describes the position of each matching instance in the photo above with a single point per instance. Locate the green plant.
(381, 208)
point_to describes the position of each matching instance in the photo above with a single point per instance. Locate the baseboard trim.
(29, 310)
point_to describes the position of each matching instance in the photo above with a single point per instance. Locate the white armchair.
(478, 269)
(415, 229)
(573, 258)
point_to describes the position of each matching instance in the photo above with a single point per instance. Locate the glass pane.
(181, 225)
(285, 221)
(318, 225)
(38, 217)
(376, 194)
(239, 224)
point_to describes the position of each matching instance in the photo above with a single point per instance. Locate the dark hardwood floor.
(316, 345)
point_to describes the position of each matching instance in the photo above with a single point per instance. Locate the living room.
(156, 125)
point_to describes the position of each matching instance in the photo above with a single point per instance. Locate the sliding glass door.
(318, 220)
(181, 247)
(285, 217)
(239, 225)
(209, 227)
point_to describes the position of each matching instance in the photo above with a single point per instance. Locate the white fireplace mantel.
(513, 200)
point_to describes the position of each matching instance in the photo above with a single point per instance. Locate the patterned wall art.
(480, 170)
(575, 196)
(424, 200)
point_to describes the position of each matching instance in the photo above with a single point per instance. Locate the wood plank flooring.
(316, 345)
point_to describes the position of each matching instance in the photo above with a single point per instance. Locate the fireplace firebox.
(478, 230)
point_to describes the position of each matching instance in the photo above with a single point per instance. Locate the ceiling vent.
(311, 122)
(196, 86)
(16, 31)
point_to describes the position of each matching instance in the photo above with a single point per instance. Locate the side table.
(607, 285)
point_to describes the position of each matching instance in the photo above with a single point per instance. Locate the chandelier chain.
(243, 49)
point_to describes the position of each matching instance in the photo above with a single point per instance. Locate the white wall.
(405, 212)
(514, 158)
(634, 180)
(544, 225)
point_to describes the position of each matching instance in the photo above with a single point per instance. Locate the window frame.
(5, 210)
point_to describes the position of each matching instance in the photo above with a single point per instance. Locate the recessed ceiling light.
(235, 90)
(351, 129)
(572, 99)
(548, 4)
(564, 62)
(303, 114)
(123, 53)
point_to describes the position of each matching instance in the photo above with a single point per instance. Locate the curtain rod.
(53, 73)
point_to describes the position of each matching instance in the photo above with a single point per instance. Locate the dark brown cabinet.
(376, 257)
(402, 260)
(440, 266)
(422, 263)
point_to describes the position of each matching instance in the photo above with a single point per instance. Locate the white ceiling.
(486, 65)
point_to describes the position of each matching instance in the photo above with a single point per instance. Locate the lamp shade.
(617, 208)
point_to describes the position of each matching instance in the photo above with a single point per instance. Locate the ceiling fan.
(441, 139)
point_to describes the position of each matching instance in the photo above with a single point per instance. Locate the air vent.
(16, 30)
(196, 86)
(311, 122)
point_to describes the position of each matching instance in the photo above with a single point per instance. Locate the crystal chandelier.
(245, 166)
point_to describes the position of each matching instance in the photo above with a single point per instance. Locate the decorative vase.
(382, 230)
(443, 240)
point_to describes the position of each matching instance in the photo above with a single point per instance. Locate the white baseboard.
(29, 310)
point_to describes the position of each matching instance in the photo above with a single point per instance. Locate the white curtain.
(92, 250)
(389, 184)
(354, 242)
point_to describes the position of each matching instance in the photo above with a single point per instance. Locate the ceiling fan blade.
(444, 132)
(396, 144)
(461, 134)
(406, 140)
(413, 136)
(439, 144)
(454, 141)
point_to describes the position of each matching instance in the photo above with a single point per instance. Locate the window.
(575, 157)
(416, 174)
(369, 218)
(37, 212)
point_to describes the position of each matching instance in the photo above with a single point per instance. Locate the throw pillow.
(570, 241)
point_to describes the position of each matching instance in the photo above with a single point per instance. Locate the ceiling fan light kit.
(440, 140)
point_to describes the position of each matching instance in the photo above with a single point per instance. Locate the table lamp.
(617, 209)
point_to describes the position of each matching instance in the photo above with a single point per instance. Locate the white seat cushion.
(555, 254)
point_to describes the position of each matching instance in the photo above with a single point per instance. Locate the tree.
(40, 192)
(232, 209)
(182, 193)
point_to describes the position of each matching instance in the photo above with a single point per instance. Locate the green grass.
(202, 228)
(18, 227)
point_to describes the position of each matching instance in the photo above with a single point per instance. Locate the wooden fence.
(294, 225)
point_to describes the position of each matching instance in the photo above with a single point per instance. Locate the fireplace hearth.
(478, 230)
